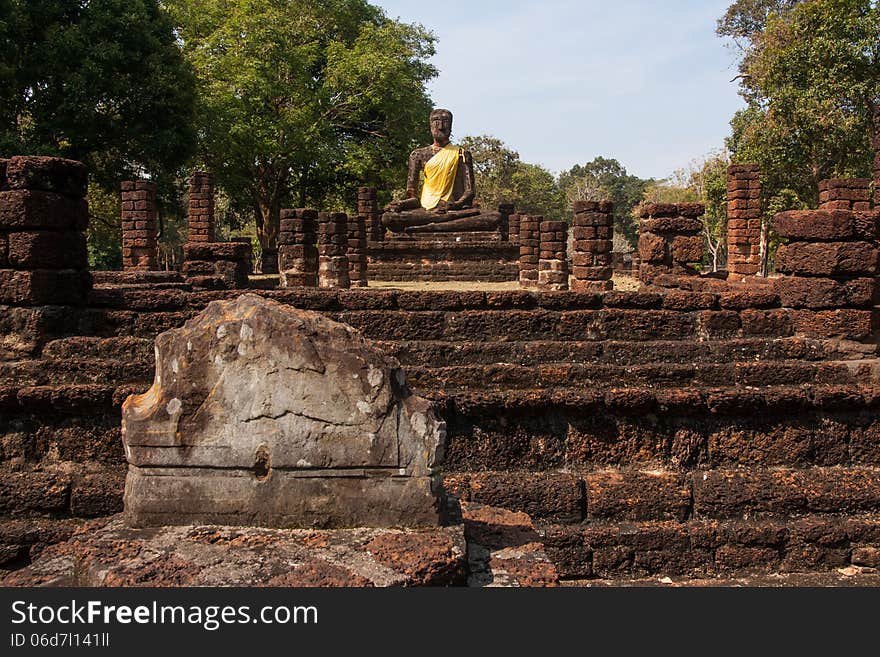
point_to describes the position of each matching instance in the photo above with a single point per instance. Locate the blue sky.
(562, 81)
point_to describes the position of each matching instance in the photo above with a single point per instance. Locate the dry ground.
(621, 282)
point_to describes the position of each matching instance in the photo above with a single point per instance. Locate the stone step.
(135, 277)
(23, 539)
(701, 548)
(66, 431)
(661, 376)
(535, 429)
(76, 371)
(640, 495)
(430, 353)
(186, 287)
(143, 313)
(678, 428)
(114, 348)
(848, 577)
(61, 489)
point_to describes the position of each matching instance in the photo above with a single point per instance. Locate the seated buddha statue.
(446, 200)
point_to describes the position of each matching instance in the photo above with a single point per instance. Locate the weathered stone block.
(820, 225)
(45, 249)
(217, 251)
(44, 287)
(652, 248)
(827, 259)
(50, 174)
(687, 249)
(796, 292)
(263, 414)
(23, 209)
(671, 225)
(672, 210)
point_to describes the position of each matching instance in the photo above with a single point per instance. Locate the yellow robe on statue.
(440, 176)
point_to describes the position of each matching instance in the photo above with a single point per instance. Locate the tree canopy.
(100, 81)
(606, 178)
(703, 181)
(502, 177)
(301, 101)
(810, 74)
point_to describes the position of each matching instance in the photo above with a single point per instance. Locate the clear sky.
(562, 81)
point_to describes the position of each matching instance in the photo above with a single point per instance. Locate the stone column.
(357, 251)
(670, 240)
(529, 243)
(216, 265)
(829, 268)
(249, 253)
(332, 244)
(139, 247)
(743, 220)
(200, 221)
(552, 256)
(43, 219)
(297, 250)
(368, 210)
(875, 142)
(505, 210)
(513, 227)
(845, 194)
(592, 228)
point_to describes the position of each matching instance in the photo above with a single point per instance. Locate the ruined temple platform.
(485, 546)
(715, 435)
(475, 256)
(108, 553)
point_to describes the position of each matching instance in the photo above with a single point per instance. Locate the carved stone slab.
(262, 414)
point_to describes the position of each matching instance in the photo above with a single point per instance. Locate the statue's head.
(441, 124)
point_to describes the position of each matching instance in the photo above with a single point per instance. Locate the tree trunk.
(765, 248)
(267, 212)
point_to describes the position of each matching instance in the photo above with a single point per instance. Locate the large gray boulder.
(261, 414)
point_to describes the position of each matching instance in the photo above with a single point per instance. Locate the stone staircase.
(647, 434)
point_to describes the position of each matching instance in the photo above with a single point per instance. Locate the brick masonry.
(743, 220)
(552, 255)
(200, 220)
(368, 210)
(139, 248)
(333, 264)
(513, 227)
(43, 218)
(670, 240)
(443, 257)
(592, 232)
(297, 248)
(830, 259)
(357, 251)
(217, 265)
(875, 142)
(529, 250)
(845, 194)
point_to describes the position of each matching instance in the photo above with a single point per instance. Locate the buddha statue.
(446, 200)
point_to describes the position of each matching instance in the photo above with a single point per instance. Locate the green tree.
(606, 178)
(502, 177)
(810, 76)
(101, 81)
(746, 18)
(301, 101)
(104, 232)
(707, 178)
(703, 181)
